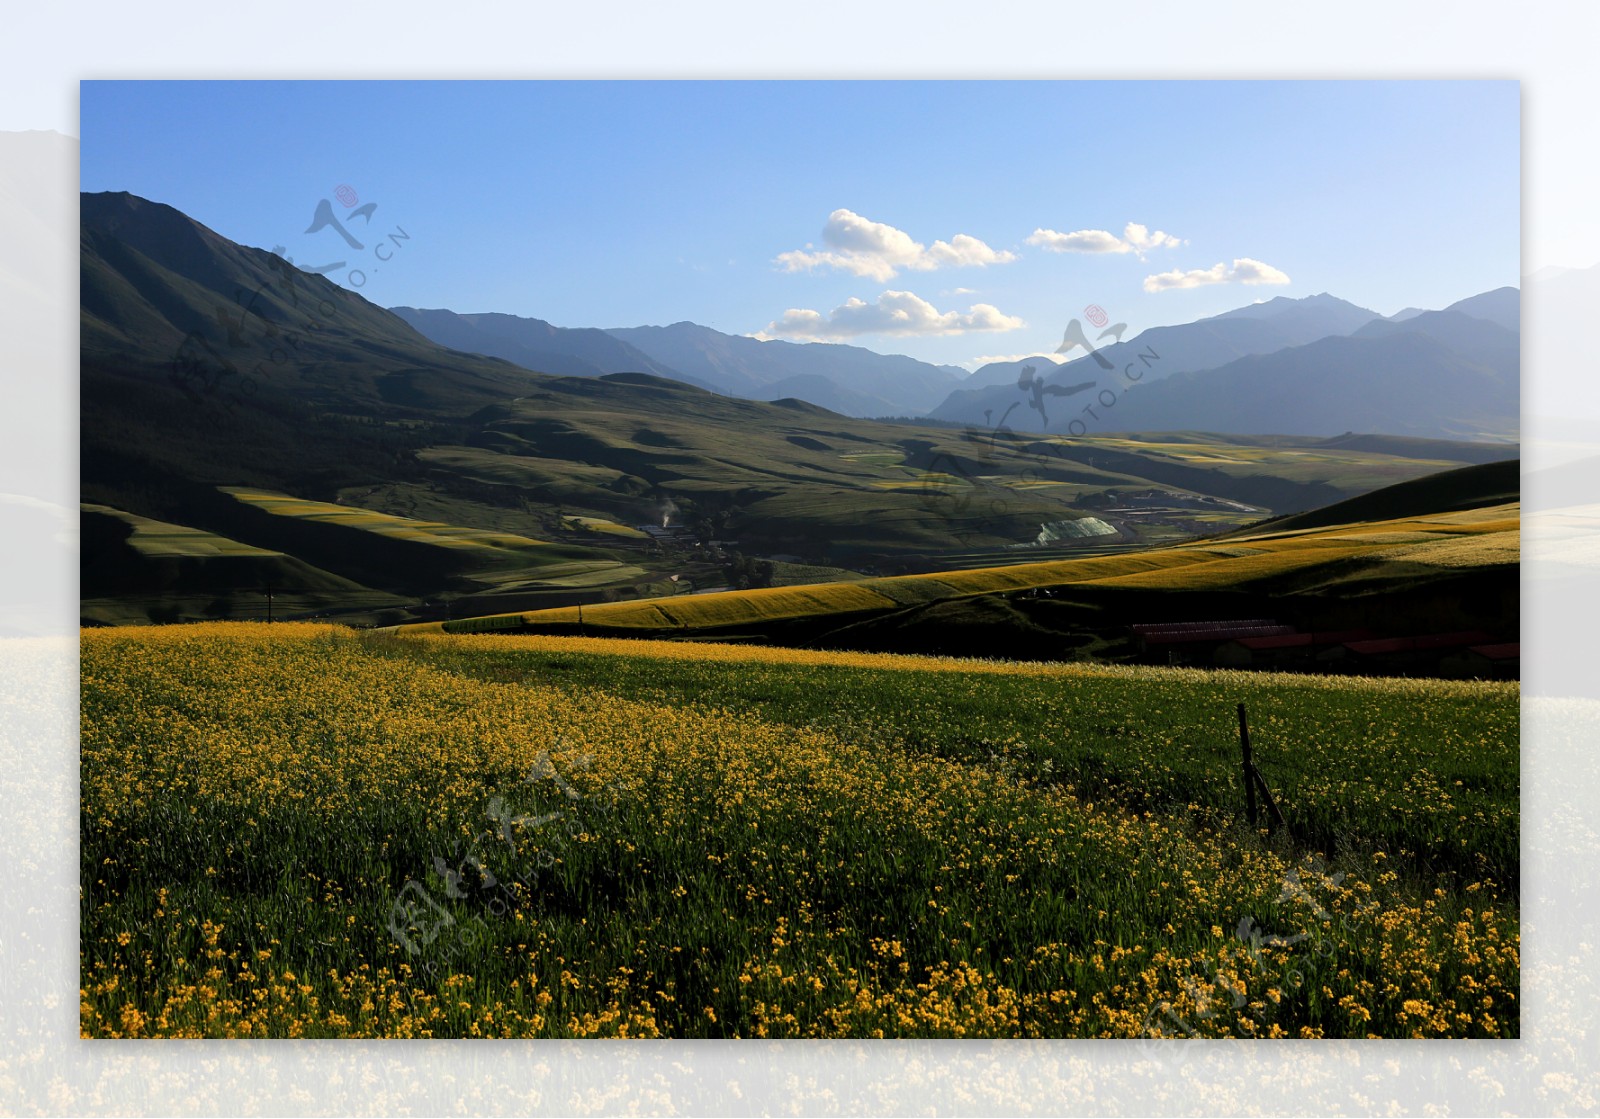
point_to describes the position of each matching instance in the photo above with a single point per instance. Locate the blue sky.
(951, 221)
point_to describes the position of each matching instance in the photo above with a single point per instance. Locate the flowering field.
(303, 831)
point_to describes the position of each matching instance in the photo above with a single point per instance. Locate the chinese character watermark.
(255, 346)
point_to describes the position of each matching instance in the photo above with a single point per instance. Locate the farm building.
(1415, 655)
(1502, 661)
(1197, 642)
(1284, 650)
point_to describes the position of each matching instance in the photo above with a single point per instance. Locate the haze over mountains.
(1265, 368)
(1312, 366)
(536, 344)
(860, 381)
(849, 380)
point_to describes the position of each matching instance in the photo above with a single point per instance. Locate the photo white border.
(45, 1068)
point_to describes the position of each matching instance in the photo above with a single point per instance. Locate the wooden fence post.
(1253, 781)
(1248, 768)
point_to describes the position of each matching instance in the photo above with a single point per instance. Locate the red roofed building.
(1285, 650)
(1195, 642)
(1420, 654)
(1501, 661)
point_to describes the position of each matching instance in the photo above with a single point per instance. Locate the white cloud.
(1142, 239)
(878, 251)
(1248, 271)
(1136, 239)
(894, 312)
(1244, 271)
(962, 251)
(1081, 241)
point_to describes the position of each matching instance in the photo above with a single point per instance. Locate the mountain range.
(859, 381)
(1314, 366)
(538, 345)
(1265, 368)
(850, 380)
(1254, 329)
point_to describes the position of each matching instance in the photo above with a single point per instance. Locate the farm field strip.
(383, 524)
(600, 524)
(162, 538)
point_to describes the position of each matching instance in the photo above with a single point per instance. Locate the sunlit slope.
(135, 569)
(485, 556)
(384, 524)
(1469, 487)
(316, 555)
(160, 538)
(724, 608)
(1485, 537)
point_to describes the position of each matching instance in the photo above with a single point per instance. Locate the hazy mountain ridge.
(1464, 383)
(851, 380)
(1502, 306)
(536, 344)
(1407, 382)
(1184, 347)
(754, 368)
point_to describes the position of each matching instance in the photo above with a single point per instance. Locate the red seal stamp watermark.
(346, 194)
(1096, 314)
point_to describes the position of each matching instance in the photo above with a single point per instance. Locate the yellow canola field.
(254, 797)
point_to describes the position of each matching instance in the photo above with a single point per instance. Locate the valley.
(378, 479)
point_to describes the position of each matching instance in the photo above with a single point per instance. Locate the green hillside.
(1470, 487)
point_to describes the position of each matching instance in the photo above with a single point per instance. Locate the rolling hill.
(1470, 487)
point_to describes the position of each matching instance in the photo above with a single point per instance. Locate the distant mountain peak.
(1502, 306)
(1321, 303)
